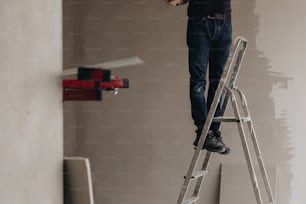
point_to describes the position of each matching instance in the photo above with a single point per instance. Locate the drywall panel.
(236, 186)
(78, 181)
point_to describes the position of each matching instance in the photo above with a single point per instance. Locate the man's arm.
(176, 2)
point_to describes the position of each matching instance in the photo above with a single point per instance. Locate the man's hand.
(172, 2)
(176, 2)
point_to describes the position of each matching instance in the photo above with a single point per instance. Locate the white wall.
(30, 106)
(281, 37)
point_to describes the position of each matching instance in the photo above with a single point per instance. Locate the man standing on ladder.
(209, 39)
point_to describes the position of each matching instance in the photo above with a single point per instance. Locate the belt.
(219, 16)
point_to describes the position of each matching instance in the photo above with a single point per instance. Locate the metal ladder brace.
(226, 91)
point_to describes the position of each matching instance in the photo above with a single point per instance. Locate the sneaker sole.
(224, 151)
(227, 151)
(212, 149)
(215, 150)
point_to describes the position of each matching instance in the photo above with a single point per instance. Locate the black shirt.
(205, 7)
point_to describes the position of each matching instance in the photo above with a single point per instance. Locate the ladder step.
(231, 119)
(191, 200)
(198, 174)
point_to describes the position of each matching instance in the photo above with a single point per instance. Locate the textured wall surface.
(139, 142)
(31, 130)
(285, 48)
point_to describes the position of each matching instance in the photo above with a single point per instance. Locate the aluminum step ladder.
(227, 90)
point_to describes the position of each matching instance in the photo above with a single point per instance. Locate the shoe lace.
(219, 139)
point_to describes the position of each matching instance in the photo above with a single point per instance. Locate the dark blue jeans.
(209, 42)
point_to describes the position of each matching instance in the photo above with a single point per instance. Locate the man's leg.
(219, 52)
(198, 44)
(198, 39)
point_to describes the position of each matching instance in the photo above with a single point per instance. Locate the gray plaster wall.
(139, 142)
(31, 124)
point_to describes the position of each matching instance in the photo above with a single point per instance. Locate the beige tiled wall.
(139, 142)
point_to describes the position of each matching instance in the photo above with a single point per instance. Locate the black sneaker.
(213, 143)
(217, 134)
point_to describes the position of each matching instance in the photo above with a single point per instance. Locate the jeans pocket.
(196, 20)
(228, 25)
(202, 20)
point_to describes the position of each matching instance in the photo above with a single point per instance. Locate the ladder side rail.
(251, 126)
(256, 146)
(188, 177)
(246, 150)
(238, 63)
(200, 180)
(198, 150)
(223, 103)
(235, 73)
(190, 172)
